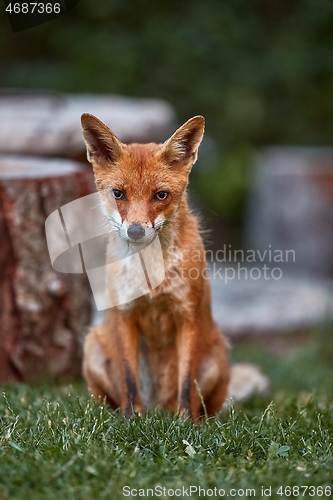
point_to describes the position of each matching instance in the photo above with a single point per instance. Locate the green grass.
(56, 443)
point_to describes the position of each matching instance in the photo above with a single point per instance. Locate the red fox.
(164, 347)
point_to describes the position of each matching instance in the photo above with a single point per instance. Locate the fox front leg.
(188, 397)
(127, 346)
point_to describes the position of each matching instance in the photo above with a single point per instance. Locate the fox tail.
(246, 380)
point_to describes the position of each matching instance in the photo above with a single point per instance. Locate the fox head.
(141, 185)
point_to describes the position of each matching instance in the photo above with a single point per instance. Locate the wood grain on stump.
(43, 313)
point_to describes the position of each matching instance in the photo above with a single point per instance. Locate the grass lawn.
(56, 443)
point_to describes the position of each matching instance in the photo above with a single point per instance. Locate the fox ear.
(102, 145)
(183, 145)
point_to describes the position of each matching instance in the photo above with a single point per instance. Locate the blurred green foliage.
(222, 184)
(260, 71)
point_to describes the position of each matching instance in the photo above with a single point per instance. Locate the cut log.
(291, 208)
(43, 313)
(49, 124)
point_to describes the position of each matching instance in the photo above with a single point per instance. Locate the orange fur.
(158, 348)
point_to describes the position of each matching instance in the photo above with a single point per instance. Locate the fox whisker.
(113, 222)
(163, 224)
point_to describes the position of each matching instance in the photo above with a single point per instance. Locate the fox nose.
(135, 232)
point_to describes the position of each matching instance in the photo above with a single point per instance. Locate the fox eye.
(161, 195)
(117, 194)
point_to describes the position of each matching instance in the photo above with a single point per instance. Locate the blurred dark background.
(260, 71)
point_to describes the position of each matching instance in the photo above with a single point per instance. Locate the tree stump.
(291, 208)
(43, 313)
(48, 124)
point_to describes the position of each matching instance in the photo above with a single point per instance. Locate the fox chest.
(157, 356)
(158, 313)
(158, 317)
(157, 326)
